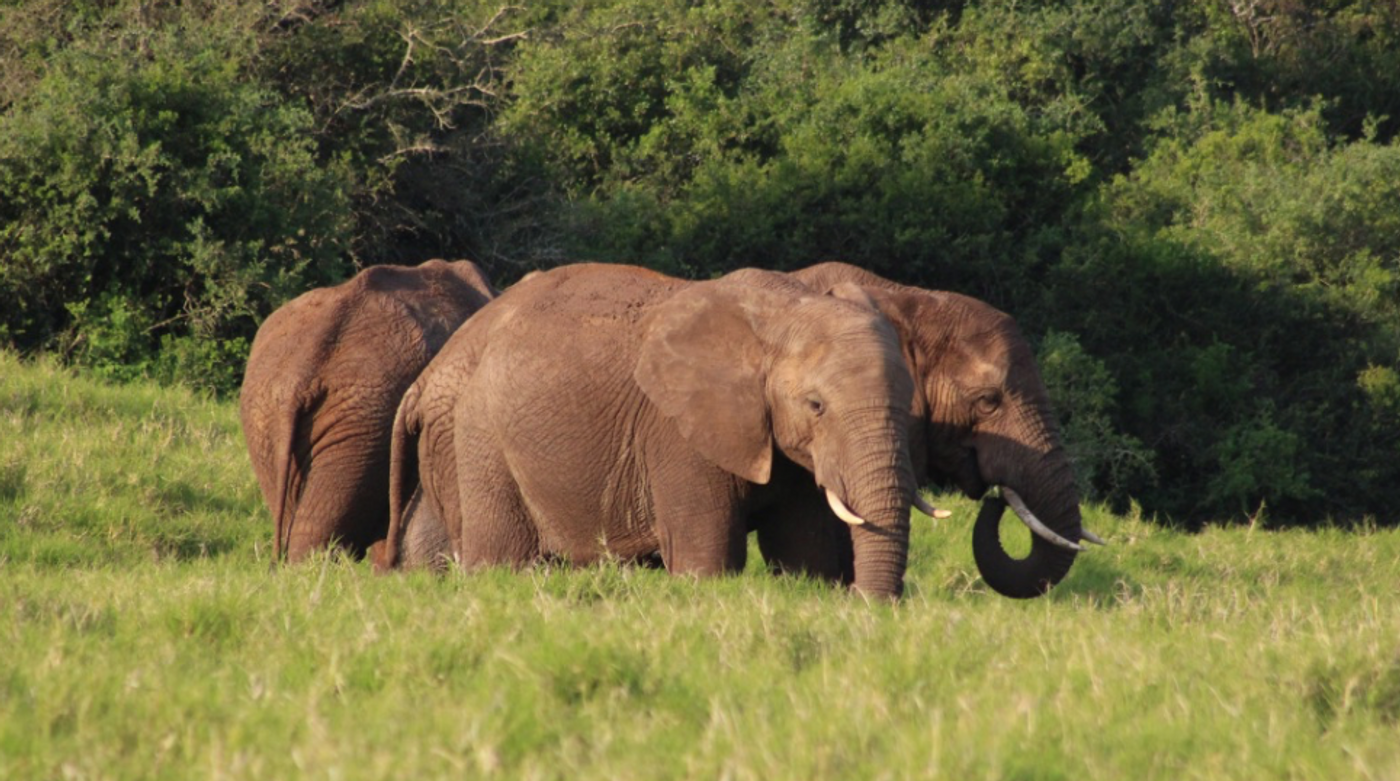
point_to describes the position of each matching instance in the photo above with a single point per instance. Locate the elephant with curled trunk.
(599, 410)
(325, 375)
(981, 417)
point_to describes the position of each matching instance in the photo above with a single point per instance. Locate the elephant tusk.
(927, 509)
(842, 511)
(1028, 518)
(1088, 536)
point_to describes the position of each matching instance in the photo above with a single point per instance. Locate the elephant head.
(742, 369)
(982, 418)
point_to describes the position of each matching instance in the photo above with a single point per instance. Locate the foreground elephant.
(981, 417)
(324, 378)
(608, 410)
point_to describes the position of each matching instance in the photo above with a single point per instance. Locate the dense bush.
(1191, 207)
(147, 184)
(1243, 284)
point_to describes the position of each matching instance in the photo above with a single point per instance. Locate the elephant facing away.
(325, 375)
(981, 418)
(600, 410)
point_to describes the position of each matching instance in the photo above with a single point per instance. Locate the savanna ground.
(145, 637)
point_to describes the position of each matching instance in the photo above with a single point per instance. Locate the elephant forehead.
(985, 358)
(984, 373)
(845, 361)
(827, 319)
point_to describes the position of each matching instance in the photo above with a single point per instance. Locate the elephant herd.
(418, 415)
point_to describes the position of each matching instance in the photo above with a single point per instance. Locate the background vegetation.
(146, 638)
(1192, 207)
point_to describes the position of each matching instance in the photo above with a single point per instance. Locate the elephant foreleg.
(700, 526)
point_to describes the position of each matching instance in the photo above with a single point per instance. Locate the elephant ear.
(701, 364)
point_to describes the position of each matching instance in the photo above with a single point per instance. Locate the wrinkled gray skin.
(325, 375)
(608, 410)
(981, 417)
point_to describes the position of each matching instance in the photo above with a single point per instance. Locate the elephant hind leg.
(328, 514)
(425, 541)
(495, 525)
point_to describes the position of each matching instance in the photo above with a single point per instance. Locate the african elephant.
(981, 417)
(324, 378)
(609, 410)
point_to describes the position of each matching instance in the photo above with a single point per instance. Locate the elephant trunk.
(880, 490)
(1050, 493)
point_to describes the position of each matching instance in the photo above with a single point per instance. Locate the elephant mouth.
(969, 476)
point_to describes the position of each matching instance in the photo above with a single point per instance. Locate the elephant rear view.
(598, 410)
(325, 375)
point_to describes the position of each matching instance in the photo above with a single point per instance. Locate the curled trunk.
(1053, 498)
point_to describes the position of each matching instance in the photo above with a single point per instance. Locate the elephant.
(981, 418)
(606, 410)
(324, 378)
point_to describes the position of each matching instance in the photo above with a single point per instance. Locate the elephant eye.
(815, 405)
(988, 402)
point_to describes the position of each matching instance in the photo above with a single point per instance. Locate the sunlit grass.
(144, 637)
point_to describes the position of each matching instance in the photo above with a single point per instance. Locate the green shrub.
(700, 140)
(161, 195)
(1108, 463)
(1241, 286)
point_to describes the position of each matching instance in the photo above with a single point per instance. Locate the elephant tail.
(403, 477)
(293, 431)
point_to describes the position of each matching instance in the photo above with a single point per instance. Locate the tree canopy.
(1193, 207)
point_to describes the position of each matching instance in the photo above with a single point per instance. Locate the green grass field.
(144, 636)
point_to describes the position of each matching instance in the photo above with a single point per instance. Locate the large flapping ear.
(701, 364)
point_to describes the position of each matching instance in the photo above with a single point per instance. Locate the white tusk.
(1028, 518)
(842, 511)
(924, 507)
(1088, 536)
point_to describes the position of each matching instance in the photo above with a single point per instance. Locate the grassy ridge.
(145, 638)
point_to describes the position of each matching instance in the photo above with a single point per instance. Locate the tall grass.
(96, 474)
(145, 637)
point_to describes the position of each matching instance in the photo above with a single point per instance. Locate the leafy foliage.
(1253, 277)
(1191, 206)
(150, 190)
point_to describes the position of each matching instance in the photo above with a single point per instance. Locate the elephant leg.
(802, 536)
(495, 526)
(425, 540)
(699, 524)
(329, 512)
